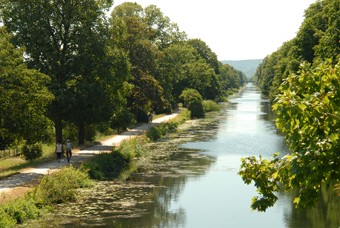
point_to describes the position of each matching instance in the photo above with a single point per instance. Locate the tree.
(213, 90)
(193, 100)
(316, 41)
(172, 69)
(52, 33)
(230, 78)
(142, 29)
(96, 90)
(308, 113)
(206, 53)
(24, 97)
(164, 32)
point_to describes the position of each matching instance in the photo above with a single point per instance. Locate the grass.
(14, 165)
(55, 188)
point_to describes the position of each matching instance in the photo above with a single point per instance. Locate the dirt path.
(22, 181)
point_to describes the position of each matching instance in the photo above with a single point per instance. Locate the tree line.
(74, 68)
(302, 79)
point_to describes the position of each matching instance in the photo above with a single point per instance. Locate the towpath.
(26, 177)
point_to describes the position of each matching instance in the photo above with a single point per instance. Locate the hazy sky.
(235, 29)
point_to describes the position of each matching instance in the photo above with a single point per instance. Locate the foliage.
(316, 41)
(193, 101)
(24, 97)
(133, 147)
(107, 165)
(54, 188)
(61, 186)
(231, 78)
(144, 32)
(22, 210)
(248, 66)
(308, 113)
(210, 106)
(306, 102)
(32, 151)
(158, 131)
(105, 72)
(70, 44)
(115, 164)
(6, 220)
(122, 120)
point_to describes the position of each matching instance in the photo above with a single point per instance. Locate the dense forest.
(247, 66)
(302, 79)
(71, 68)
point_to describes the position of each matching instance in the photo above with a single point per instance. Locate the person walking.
(68, 150)
(59, 150)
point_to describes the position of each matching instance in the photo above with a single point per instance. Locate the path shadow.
(19, 180)
(135, 131)
(100, 147)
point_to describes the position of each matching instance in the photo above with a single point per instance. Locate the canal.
(193, 180)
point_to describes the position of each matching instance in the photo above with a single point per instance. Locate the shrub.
(6, 220)
(156, 132)
(61, 186)
(107, 165)
(122, 120)
(134, 147)
(196, 109)
(117, 163)
(32, 151)
(22, 210)
(210, 106)
(192, 99)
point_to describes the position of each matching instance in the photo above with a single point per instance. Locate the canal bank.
(193, 181)
(27, 176)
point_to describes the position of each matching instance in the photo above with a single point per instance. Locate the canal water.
(193, 181)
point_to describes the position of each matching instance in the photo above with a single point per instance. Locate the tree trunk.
(58, 130)
(81, 133)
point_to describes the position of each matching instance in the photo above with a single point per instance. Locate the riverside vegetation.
(61, 187)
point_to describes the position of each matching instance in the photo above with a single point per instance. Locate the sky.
(235, 29)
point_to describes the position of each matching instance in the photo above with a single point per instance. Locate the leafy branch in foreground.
(308, 113)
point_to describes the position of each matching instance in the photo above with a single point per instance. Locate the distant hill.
(248, 67)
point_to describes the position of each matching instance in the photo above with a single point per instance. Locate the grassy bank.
(123, 161)
(61, 186)
(55, 188)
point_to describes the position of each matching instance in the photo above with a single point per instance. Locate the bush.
(134, 147)
(32, 151)
(6, 220)
(210, 106)
(61, 186)
(192, 99)
(196, 109)
(22, 210)
(117, 163)
(107, 165)
(156, 132)
(122, 120)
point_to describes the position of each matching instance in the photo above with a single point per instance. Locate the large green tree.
(230, 78)
(144, 33)
(302, 80)
(308, 113)
(24, 97)
(63, 39)
(317, 40)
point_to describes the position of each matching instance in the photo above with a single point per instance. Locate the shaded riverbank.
(192, 181)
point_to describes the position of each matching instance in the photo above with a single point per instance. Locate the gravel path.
(29, 175)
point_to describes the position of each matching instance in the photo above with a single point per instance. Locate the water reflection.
(193, 180)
